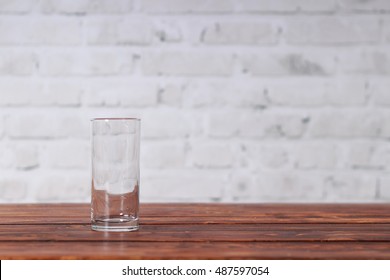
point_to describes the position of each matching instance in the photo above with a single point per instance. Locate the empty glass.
(115, 174)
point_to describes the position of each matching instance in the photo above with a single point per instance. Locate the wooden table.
(200, 231)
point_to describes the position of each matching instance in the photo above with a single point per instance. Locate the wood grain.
(194, 250)
(177, 213)
(200, 231)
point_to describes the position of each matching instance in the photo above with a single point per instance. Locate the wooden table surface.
(200, 231)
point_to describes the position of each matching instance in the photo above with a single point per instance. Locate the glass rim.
(115, 119)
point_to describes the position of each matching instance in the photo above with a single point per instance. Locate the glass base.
(115, 224)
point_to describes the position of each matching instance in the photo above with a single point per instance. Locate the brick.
(40, 31)
(62, 93)
(256, 125)
(73, 126)
(289, 126)
(240, 186)
(236, 33)
(110, 6)
(139, 95)
(6, 156)
(101, 98)
(163, 155)
(67, 155)
(295, 92)
(250, 94)
(316, 156)
(287, 186)
(97, 63)
(31, 126)
(46, 126)
(380, 90)
(384, 190)
(17, 63)
(315, 93)
(348, 92)
(368, 155)
(171, 94)
(359, 155)
(205, 95)
(122, 93)
(286, 6)
(234, 94)
(211, 155)
(169, 31)
(73, 7)
(177, 6)
(184, 185)
(86, 6)
(349, 187)
(365, 62)
(381, 157)
(25, 156)
(12, 190)
(305, 93)
(342, 92)
(116, 31)
(373, 5)
(187, 63)
(18, 92)
(343, 124)
(384, 131)
(2, 126)
(273, 125)
(224, 124)
(302, 64)
(386, 30)
(165, 124)
(269, 64)
(35, 93)
(333, 30)
(267, 155)
(58, 187)
(16, 6)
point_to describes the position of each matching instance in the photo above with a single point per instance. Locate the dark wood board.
(200, 231)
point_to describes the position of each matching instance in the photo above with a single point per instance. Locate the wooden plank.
(194, 250)
(177, 213)
(201, 233)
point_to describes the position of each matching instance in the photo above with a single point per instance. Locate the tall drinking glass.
(115, 174)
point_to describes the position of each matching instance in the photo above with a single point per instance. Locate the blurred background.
(240, 100)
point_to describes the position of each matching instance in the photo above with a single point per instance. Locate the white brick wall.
(240, 100)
